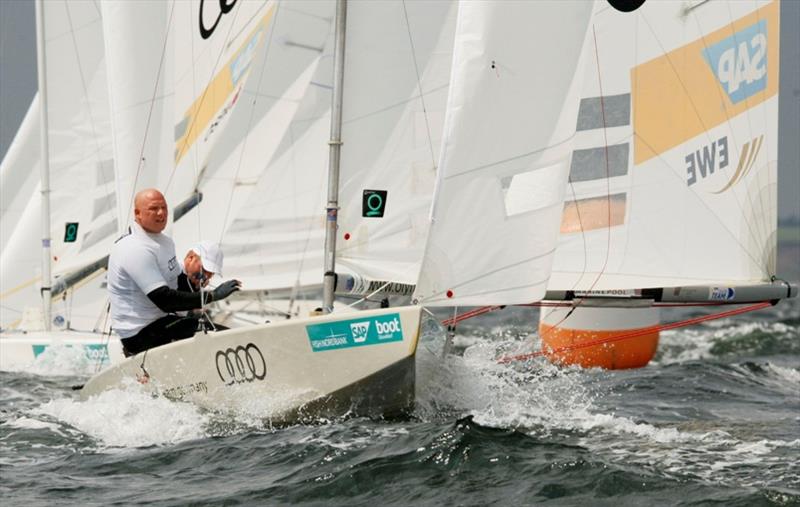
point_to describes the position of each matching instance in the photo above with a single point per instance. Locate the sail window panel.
(98, 234)
(104, 204)
(593, 213)
(590, 164)
(615, 108)
(532, 190)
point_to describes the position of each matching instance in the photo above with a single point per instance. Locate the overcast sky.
(18, 86)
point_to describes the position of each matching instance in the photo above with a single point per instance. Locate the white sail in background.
(215, 44)
(508, 137)
(81, 168)
(397, 69)
(140, 78)
(17, 177)
(275, 65)
(680, 187)
(276, 241)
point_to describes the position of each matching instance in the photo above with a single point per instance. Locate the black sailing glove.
(225, 289)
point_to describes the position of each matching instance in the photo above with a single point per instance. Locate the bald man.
(143, 276)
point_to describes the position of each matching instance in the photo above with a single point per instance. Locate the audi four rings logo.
(241, 364)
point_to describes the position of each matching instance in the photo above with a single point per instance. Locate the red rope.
(470, 314)
(638, 332)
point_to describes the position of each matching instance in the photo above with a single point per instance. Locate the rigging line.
(88, 104)
(600, 273)
(268, 47)
(608, 172)
(498, 270)
(772, 204)
(213, 72)
(139, 163)
(514, 157)
(105, 338)
(366, 298)
(762, 232)
(419, 85)
(636, 333)
(711, 212)
(583, 232)
(699, 118)
(395, 105)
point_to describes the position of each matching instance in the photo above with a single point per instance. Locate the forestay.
(508, 137)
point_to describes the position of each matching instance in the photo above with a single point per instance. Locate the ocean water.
(713, 420)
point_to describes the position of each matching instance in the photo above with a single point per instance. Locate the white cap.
(210, 256)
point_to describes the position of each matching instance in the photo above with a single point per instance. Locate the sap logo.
(740, 61)
(705, 160)
(359, 330)
(385, 328)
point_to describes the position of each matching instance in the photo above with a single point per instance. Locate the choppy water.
(715, 419)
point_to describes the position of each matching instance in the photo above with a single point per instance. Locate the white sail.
(280, 57)
(17, 177)
(80, 160)
(508, 137)
(679, 188)
(397, 69)
(215, 44)
(140, 77)
(276, 241)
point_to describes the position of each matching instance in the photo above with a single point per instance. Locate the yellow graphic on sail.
(705, 83)
(746, 160)
(209, 103)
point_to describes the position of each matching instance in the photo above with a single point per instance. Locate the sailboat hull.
(359, 363)
(21, 350)
(586, 337)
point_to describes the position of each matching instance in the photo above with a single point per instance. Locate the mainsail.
(396, 76)
(673, 180)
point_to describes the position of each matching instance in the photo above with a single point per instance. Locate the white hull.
(355, 363)
(20, 350)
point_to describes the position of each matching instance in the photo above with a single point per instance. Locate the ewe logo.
(359, 330)
(355, 333)
(740, 61)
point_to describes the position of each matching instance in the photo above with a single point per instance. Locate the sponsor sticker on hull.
(355, 332)
(94, 352)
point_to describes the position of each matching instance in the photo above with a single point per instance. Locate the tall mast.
(41, 63)
(329, 280)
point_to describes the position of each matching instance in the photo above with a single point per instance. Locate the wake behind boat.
(359, 363)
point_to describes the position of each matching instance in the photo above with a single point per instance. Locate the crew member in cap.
(143, 276)
(202, 261)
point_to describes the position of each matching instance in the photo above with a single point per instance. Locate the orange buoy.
(595, 321)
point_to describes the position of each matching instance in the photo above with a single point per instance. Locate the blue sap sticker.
(355, 332)
(740, 61)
